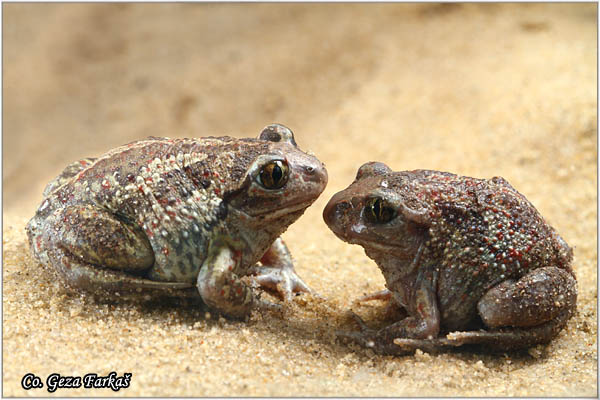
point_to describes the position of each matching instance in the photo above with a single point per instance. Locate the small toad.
(171, 215)
(471, 261)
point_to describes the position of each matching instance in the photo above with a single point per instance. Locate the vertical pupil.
(277, 173)
(377, 208)
(379, 211)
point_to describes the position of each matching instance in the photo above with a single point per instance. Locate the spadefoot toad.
(470, 260)
(180, 214)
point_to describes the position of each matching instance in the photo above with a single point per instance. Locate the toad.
(469, 261)
(172, 215)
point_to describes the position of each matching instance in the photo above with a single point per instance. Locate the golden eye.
(379, 211)
(274, 175)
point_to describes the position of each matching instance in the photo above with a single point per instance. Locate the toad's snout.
(315, 173)
(336, 212)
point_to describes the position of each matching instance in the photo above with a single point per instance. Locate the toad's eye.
(379, 211)
(274, 175)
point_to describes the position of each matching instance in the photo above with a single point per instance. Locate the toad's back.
(169, 189)
(483, 232)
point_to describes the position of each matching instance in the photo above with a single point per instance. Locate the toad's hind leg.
(529, 311)
(500, 339)
(536, 298)
(92, 250)
(519, 314)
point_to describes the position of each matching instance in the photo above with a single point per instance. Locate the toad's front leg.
(221, 288)
(277, 272)
(423, 325)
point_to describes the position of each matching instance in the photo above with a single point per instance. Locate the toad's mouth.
(378, 245)
(274, 214)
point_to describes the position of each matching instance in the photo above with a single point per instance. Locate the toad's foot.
(282, 280)
(393, 310)
(383, 295)
(377, 341)
(435, 345)
(370, 338)
(265, 306)
(508, 338)
(503, 339)
(277, 272)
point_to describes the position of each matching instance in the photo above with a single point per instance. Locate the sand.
(477, 89)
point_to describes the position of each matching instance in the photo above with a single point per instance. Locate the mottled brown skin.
(180, 216)
(471, 261)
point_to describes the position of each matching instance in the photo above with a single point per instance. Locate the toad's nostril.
(334, 211)
(312, 173)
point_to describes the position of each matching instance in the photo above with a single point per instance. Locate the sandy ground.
(479, 90)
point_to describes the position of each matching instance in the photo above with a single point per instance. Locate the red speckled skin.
(460, 253)
(174, 214)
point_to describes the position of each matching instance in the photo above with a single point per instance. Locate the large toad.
(174, 214)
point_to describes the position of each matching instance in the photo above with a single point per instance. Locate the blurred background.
(471, 88)
(479, 89)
